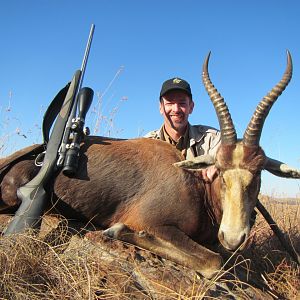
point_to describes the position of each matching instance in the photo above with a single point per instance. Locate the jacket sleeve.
(205, 140)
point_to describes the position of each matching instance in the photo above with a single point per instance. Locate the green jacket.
(203, 140)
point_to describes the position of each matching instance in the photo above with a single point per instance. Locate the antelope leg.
(171, 243)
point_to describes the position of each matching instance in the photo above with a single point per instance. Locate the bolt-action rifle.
(62, 152)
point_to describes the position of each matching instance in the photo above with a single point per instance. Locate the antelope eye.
(257, 173)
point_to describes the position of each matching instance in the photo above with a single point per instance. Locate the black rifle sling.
(52, 112)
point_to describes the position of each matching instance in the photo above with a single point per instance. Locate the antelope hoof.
(116, 231)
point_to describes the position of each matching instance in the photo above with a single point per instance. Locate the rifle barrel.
(66, 135)
(86, 55)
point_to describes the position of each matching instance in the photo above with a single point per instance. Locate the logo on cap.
(176, 80)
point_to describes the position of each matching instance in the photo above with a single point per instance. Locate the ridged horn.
(228, 133)
(254, 129)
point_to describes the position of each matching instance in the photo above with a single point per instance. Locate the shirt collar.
(183, 141)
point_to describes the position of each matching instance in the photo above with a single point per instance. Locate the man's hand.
(209, 173)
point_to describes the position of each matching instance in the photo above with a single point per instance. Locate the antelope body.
(143, 192)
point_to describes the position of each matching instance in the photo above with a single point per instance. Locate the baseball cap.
(175, 84)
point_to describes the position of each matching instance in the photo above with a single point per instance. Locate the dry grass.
(75, 267)
(268, 257)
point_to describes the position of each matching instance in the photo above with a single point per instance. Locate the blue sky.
(139, 44)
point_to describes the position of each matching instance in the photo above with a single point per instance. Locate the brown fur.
(134, 182)
(254, 159)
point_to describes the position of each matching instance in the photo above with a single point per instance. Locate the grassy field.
(63, 265)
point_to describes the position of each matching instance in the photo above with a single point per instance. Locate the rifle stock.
(34, 199)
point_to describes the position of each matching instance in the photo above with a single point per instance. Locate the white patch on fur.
(235, 220)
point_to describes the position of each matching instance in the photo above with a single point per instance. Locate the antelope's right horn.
(254, 129)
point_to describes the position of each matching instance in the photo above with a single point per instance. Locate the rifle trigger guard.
(39, 159)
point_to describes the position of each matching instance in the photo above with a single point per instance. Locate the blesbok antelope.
(141, 191)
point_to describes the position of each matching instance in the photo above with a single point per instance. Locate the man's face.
(175, 107)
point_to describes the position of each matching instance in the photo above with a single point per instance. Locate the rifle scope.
(85, 98)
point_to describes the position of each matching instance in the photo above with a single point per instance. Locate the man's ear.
(191, 106)
(161, 107)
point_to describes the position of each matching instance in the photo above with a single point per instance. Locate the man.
(176, 104)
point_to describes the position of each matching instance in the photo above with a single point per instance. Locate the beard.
(178, 122)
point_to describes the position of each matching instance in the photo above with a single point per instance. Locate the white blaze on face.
(234, 228)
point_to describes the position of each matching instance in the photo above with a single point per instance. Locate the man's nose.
(176, 107)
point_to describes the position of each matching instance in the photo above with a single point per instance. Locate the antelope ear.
(280, 169)
(197, 162)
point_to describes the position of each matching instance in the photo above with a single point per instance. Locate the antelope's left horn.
(228, 133)
(254, 129)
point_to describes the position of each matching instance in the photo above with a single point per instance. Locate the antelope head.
(240, 161)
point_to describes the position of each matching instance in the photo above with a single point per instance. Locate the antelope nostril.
(230, 240)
